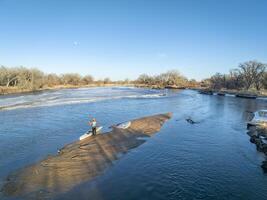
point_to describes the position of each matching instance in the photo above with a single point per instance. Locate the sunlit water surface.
(212, 159)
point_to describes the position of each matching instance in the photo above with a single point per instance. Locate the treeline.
(34, 79)
(249, 75)
(171, 78)
(31, 79)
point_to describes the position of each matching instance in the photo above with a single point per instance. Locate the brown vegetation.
(21, 79)
(249, 75)
(171, 78)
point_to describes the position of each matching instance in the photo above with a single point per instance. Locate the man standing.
(93, 125)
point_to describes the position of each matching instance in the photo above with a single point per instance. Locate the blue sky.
(122, 39)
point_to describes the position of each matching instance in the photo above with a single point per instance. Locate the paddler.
(93, 125)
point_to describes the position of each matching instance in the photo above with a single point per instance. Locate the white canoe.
(89, 133)
(124, 125)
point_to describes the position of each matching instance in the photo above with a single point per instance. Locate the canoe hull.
(89, 133)
(124, 125)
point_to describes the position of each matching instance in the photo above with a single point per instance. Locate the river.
(211, 159)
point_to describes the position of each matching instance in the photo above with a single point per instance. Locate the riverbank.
(160, 86)
(80, 161)
(16, 90)
(238, 93)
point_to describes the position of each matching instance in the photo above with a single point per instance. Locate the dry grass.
(18, 90)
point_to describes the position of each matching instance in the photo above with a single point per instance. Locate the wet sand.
(80, 161)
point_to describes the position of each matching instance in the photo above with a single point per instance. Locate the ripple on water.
(209, 160)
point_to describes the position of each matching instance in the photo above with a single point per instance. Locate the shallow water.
(212, 159)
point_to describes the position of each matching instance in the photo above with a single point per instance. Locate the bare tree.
(192, 83)
(252, 73)
(235, 80)
(37, 78)
(264, 80)
(172, 77)
(32, 79)
(71, 79)
(52, 80)
(144, 79)
(205, 83)
(107, 80)
(3, 76)
(87, 79)
(9, 76)
(258, 73)
(217, 81)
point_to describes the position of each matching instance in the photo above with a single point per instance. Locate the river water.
(212, 159)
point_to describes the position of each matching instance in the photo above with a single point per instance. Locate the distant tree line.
(169, 78)
(33, 79)
(248, 75)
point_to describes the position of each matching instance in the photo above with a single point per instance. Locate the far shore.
(203, 90)
(16, 90)
(238, 93)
